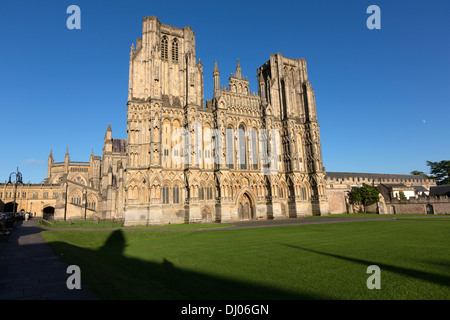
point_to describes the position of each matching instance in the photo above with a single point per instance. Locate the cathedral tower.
(287, 94)
(164, 79)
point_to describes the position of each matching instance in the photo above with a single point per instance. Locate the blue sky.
(383, 96)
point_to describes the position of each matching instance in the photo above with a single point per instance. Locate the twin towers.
(241, 155)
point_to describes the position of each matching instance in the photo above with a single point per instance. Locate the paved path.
(30, 270)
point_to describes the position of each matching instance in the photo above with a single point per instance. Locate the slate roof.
(396, 186)
(119, 145)
(376, 176)
(420, 188)
(440, 190)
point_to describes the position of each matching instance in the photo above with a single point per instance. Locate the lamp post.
(85, 203)
(18, 177)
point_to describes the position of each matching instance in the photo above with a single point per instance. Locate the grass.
(376, 215)
(351, 215)
(325, 261)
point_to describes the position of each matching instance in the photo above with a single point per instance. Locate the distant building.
(439, 191)
(392, 190)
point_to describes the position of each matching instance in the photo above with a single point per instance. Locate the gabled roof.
(396, 186)
(119, 145)
(440, 190)
(420, 188)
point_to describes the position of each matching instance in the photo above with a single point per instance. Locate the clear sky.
(383, 96)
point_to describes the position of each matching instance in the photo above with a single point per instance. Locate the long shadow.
(29, 268)
(111, 275)
(421, 275)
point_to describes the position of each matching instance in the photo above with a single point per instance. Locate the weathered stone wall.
(336, 200)
(436, 205)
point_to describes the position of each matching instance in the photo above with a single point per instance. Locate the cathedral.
(239, 156)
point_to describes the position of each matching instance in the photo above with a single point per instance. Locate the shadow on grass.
(420, 275)
(111, 275)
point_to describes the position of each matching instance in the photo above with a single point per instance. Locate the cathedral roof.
(119, 145)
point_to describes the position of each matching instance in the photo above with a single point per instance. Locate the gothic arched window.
(165, 194)
(230, 148)
(76, 197)
(254, 150)
(176, 194)
(164, 48)
(242, 148)
(175, 50)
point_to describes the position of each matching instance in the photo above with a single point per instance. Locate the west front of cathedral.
(239, 156)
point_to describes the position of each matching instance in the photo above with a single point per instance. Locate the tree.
(421, 173)
(402, 197)
(364, 195)
(439, 171)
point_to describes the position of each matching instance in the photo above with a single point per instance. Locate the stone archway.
(206, 215)
(283, 211)
(49, 213)
(10, 207)
(246, 208)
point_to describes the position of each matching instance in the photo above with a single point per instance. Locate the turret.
(216, 76)
(238, 70)
(108, 132)
(49, 165)
(66, 161)
(107, 142)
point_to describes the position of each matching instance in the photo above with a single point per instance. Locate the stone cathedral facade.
(241, 155)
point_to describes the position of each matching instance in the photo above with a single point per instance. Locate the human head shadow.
(111, 274)
(417, 274)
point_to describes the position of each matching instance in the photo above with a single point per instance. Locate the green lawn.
(321, 261)
(375, 215)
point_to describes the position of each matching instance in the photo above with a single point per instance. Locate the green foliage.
(364, 195)
(421, 173)
(402, 197)
(439, 171)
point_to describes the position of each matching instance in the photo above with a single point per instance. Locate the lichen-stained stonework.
(241, 155)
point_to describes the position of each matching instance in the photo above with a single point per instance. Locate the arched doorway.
(283, 210)
(430, 209)
(10, 207)
(245, 208)
(49, 213)
(206, 215)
